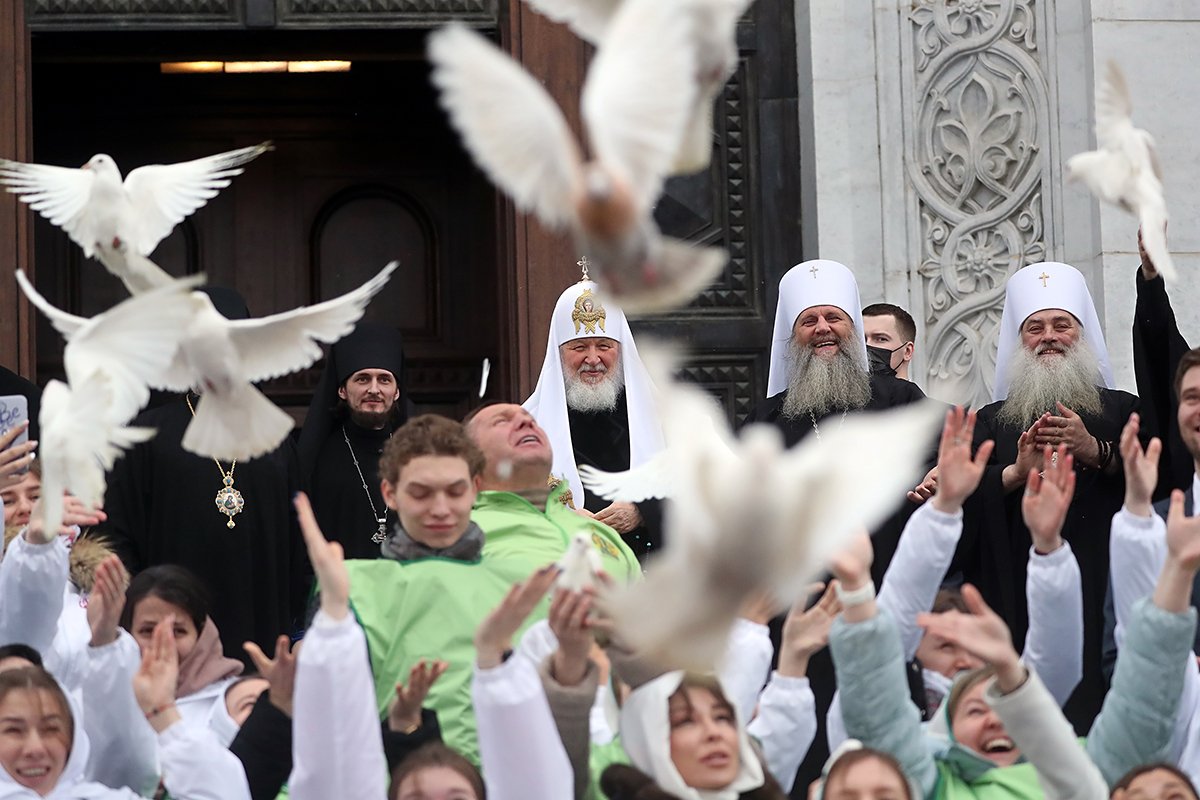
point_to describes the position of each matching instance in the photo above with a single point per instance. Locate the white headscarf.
(548, 403)
(70, 785)
(646, 738)
(808, 284)
(1037, 287)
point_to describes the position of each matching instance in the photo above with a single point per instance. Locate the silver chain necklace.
(381, 533)
(817, 430)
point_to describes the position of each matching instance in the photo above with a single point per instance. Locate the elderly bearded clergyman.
(1053, 386)
(819, 368)
(595, 401)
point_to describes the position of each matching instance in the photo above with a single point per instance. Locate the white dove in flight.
(221, 359)
(132, 343)
(579, 564)
(80, 442)
(1125, 169)
(748, 515)
(716, 57)
(122, 222)
(635, 104)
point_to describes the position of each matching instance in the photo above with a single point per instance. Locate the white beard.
(1037, 383)
(818, 387)
(594, 398)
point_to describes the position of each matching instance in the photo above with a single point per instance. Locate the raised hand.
(806, 631)
(328, 562)
(15, 459)
(76, 514)
(154, 683)
(1047, 497)
(1173, 592)
(404, 713)
(494, 635)
(1141, 467)
(106, 600)
(958, 473)
(569, 613)
(1029, 455)
(280, 671)
(927, 488)
(1148, 269)
(981, 632)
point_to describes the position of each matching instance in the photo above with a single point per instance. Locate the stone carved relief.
(977, 161)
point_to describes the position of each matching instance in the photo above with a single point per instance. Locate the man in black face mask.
(890, 333)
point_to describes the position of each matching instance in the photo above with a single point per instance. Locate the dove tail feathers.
(695, 151)
(684, 271)
(243, 425)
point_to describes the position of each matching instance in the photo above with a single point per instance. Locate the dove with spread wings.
(748, 515)
(220, 359)
(121, 222)
(110, 360)
(1124, 170)
(636, 100)
(715, 52)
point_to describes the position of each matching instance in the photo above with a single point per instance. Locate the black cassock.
(341, 506)
(994, 548)
(1157, 349)
(887, 391)
(601, 440)
(161, 510)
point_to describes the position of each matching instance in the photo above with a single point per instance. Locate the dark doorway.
(365, 171)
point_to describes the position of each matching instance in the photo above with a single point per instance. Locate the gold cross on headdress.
(1044, 277)
(583, 265)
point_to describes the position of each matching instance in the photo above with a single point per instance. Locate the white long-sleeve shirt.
(1053, 590)
(1137, 552)
(521, 753)
(337, 746)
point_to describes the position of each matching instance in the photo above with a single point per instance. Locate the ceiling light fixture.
(242, 67)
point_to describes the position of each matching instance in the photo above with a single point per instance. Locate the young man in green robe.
(445, 566)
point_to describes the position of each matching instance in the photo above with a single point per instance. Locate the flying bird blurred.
(122, 222)
(131, 344)
(748, 515)
(579, 564)
(715, 52)
(221, 359)
(80, 442)
(1125, 169)
(636, 102)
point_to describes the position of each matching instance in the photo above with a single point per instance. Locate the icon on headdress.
(588, 313)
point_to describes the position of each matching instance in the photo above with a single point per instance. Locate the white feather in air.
(122, 222)
(579, 564)
(1124, 170)
(79, 444)
(747, 515)
(131, 344)
(220, 359)
(635, 105)
(483, 377)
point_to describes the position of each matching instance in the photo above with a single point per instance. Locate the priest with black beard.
(161, 510)
(358, 404)
(594, 400)
(1053, 387)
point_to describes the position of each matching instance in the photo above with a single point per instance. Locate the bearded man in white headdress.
(1053, 386)
(819, 367)
(594, 400)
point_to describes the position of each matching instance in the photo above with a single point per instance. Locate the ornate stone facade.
(977, 158)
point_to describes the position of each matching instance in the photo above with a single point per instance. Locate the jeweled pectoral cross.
(1044, 277)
